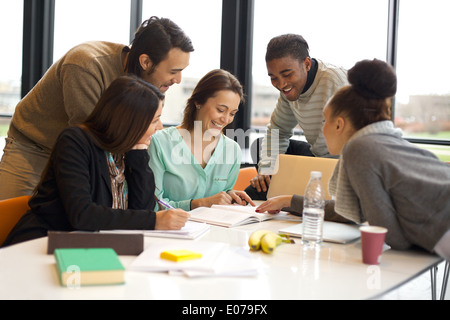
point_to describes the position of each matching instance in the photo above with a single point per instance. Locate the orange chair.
(11, 210)
(243, 180)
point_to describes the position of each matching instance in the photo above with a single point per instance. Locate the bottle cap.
(316, 174)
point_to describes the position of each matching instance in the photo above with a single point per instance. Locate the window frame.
(236, 46)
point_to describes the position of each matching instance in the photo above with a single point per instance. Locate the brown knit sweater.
(67, 93)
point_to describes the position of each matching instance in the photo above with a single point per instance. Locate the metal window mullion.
(37, 51)
(236, 50)
(135, 17)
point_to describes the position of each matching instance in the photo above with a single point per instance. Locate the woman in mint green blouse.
(195, 164)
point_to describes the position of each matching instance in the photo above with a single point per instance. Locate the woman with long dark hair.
(98, 176)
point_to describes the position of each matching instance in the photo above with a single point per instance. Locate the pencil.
(168, 206)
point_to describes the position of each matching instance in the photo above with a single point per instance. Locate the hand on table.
(275, 204)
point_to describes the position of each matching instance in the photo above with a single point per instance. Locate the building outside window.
(11, 22)
(338, 32)
(78, 21)
(422, 107)
(201, 20)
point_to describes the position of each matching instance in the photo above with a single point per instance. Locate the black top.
(311, 74)
(75, 193)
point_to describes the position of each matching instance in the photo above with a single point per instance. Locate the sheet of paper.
(218, 259)
(191, 230)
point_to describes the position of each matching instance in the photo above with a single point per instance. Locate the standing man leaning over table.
(71, 87)
(305, 85)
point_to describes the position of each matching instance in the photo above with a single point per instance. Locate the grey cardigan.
(395, 185)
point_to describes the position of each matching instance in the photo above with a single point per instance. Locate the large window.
(11, 24)
(201, 20)
(338, 32)
(77, 21)
(423, 66)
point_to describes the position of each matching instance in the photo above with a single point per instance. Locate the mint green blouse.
(179, 178)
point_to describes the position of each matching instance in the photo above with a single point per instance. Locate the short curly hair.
(293, 45)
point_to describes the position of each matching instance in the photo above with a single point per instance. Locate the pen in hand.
(164, 204)
(173, 219)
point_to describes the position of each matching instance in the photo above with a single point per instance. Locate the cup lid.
(316, 174)
(373, 229)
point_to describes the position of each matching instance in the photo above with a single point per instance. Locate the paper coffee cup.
(372, 240)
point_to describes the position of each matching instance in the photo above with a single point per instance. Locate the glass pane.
(423, 65)
(338, 32)
(201, 20)
(77, 21)
(11, 24)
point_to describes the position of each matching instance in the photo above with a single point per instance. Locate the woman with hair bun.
(381, 178)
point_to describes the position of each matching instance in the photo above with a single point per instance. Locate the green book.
(88, 266)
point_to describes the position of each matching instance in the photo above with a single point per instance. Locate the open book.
(228, 216)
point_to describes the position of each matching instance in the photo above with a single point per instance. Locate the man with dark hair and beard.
(71, 87)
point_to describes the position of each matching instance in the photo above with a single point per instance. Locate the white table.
(334, 272)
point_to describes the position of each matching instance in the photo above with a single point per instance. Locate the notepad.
(218, 259)
(180, 255)
(191, 230)
(332, 232)
(150, 259)
(89, 266)
(228, 216)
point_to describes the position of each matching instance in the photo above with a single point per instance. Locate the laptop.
(332, 232)
(294, 172)
(292, 177)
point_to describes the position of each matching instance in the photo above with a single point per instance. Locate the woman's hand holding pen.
(240, 197)
(172, 219)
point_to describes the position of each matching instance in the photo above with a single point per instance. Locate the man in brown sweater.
(71, 87)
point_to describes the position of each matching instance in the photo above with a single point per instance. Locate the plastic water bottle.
(313, 210)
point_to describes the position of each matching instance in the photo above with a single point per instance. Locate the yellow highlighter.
(180, 255)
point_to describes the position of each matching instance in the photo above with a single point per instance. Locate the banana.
(270, 241)
(254, 241)
(266, 240)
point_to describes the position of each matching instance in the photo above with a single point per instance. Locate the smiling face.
(154, 126)
(168, 71)
(289, 75)
(218, 111)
